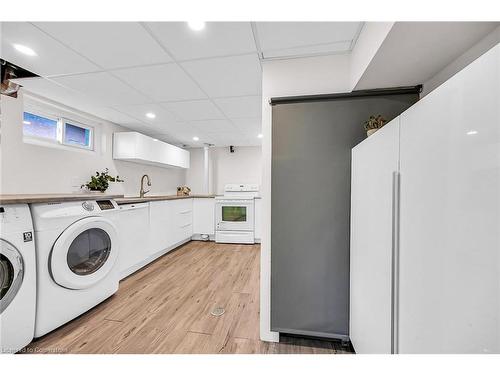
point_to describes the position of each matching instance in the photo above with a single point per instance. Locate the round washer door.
(11, 273)
(84, 253)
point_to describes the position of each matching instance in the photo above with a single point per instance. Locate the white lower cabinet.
(203, 217)
(133, 226)
(171, 223)
(148, 230)
(425, 269)
(181, 215)
(161, 222)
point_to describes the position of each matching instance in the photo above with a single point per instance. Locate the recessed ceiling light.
(196, 139)
(154, 139)
(196, 25)
(150, 115)
(27, 122)
(472, 132)
(24, 49)
(260, 135)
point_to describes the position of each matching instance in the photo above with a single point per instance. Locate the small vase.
(370, 132)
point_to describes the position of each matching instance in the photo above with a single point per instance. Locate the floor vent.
(218, 311)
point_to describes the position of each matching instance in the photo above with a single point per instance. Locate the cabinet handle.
(185, 212)
(396, 182)
(185, 225)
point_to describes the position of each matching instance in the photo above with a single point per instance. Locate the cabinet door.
(203, 216)
(450, 215)
(374, 162)
(181, 214)
(161, 227)
(133, 230)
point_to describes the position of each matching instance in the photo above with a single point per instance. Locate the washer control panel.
(105, 205)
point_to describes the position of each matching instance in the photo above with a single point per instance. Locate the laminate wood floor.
(165, 308)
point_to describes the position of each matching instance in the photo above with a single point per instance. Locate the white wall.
(485, 44)
(304, 76)
(242, 166)
(194, 175)
(369, 41)
(28, 168)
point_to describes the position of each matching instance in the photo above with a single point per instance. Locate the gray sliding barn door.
(311, 174)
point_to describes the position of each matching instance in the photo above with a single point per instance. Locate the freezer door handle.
(396, 182)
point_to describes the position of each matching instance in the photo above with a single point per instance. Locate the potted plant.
(373, 124)
(102, 182)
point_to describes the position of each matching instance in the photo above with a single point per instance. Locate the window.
(77, 135)
(38, 126)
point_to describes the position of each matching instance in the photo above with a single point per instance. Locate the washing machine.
(77, 247)
(17, 278)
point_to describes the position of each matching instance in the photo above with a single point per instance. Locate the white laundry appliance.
(235, 214)
(17, 278)
(77, 248)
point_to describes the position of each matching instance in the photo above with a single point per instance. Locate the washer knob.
(88, 206)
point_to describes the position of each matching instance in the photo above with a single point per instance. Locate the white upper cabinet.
(139, 148)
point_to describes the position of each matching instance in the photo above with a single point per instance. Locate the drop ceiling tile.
(109, 44)
(52, 58)
(162, 116)
(183, 132)
(241, 106)
(227, 76)
(141, 128)
(248, 125)
(338, 47)
(162, 83)
(168, 138)
(194, 110)
(103, 87)
(49, 89)
(187, 139)
(213, 126)
(217, 39)
(281, 35)
(116, 117)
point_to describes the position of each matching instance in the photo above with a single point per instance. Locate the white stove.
(234, 214)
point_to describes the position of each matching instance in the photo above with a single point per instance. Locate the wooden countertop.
(51, 198)
(151, 198)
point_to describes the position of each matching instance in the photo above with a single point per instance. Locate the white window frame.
(65, 121)
(59, 142)
(37, 112)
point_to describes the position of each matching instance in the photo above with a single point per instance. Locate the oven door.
(233, 214)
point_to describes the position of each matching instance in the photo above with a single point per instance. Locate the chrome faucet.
(142, 192)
